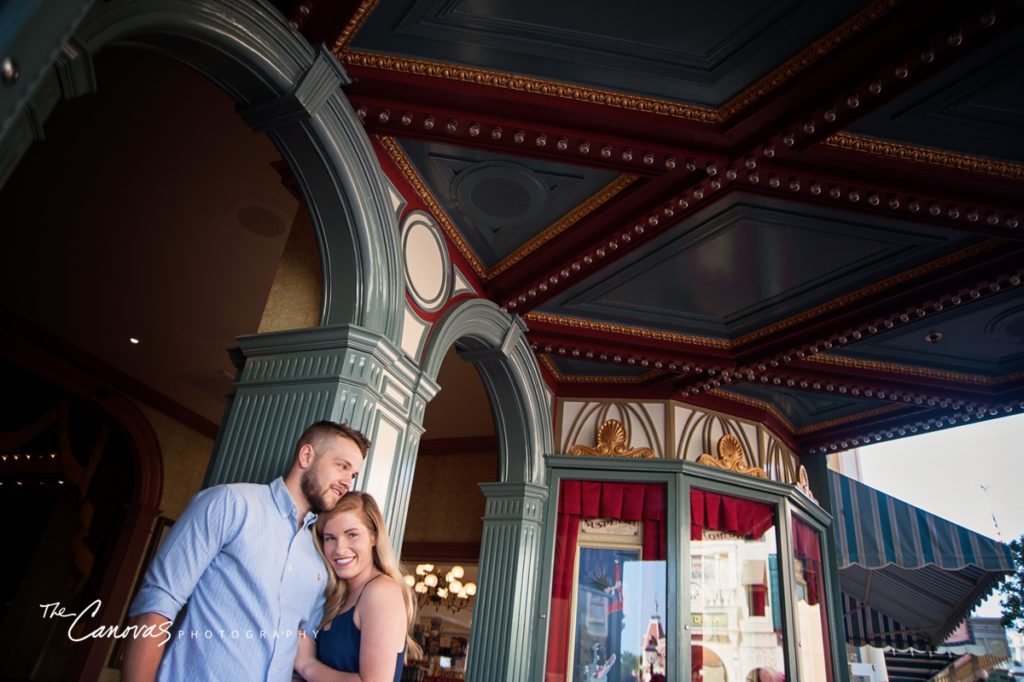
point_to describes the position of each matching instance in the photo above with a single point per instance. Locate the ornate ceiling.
(804, 213)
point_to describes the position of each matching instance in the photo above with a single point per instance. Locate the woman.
(369, 609)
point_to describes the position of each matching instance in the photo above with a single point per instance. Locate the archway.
(286, 88)
(505, 622)
(93, 487)
(283, 87)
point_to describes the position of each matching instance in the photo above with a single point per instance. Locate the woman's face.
(348, 545)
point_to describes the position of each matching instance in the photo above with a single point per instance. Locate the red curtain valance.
(714, 511)
(643, 502)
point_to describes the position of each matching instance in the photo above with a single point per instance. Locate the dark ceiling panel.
(985, 338)
(691, 52)
(801, 408)
(747, 262)
(975, 107)
(500, 202)
(570, 367)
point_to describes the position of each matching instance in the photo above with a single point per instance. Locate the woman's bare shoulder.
(382, 590)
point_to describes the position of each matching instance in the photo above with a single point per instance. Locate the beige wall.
(297, 293)
(186, 454)
(446, 503)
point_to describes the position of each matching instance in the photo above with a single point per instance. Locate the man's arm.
(211, 519)
(143, 652)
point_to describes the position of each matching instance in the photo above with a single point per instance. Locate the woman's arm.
(380, 617)
(313, 670)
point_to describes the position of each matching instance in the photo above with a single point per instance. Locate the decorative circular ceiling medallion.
(427, 269)
(500, 194)
(1007, 326)
(258, 214)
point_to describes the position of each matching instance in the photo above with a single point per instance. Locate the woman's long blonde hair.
(383, 560)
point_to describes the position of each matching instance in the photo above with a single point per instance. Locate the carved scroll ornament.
(731, 458)
(803, 484)
(612, 441)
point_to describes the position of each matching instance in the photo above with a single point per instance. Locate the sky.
(942, 472)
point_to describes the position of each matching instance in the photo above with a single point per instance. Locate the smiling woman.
(364, 636)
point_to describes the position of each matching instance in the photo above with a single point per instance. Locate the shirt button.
(289, 567)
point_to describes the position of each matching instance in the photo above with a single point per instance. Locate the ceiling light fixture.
(441, 590)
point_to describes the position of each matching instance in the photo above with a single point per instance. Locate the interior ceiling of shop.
(624, 224)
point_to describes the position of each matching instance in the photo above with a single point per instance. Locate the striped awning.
(907, 577)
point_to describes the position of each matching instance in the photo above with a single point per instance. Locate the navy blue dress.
(339, 646)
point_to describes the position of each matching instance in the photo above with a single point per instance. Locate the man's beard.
(316, 495)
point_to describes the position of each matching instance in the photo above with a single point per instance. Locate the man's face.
(333, 471)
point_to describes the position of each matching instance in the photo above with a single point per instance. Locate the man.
(242, 556)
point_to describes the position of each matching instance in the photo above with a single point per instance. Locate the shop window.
(609, 584)
(736, 632)
(813, 650)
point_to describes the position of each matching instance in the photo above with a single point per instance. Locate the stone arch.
(505, 623)
(291, 91)
(494, 341)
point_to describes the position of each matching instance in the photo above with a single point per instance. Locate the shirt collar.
(286, 505)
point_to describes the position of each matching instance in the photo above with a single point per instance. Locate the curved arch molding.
(503, 632)
(283, 87)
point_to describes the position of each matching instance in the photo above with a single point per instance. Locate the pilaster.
(291, 379)
(504, 633)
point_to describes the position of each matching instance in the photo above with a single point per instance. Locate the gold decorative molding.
(753, 402)
(803, 485)
(641, 332)
(867, 414)
(353, 26)
(584, 209)
(849, 299)
(612, 98)
(731, 458)
(612, 441)
(905, 370)
(926, 155)
(401, 161)
(529, 84)
(594, 378)
(808, 56)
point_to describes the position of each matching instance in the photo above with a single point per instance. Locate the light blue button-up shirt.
(250, 575)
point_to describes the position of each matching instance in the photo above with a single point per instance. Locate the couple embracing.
(295, 578)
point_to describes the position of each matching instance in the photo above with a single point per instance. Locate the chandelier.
(441, 590)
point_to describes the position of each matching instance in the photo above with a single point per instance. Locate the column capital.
(517, 502)
(278, 356)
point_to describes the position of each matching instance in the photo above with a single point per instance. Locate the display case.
(674, 570)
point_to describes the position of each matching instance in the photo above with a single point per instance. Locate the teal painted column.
(817, 478)
(291, 379)
(504, 632)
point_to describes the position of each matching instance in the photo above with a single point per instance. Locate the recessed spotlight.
(134, 341)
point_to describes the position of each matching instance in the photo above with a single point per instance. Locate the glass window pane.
(608, 601)
(736, 625)
(813, 650)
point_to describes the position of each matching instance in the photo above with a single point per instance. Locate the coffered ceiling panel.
(748, 262)
(500, 202)
(987, 339)
(804, 409)
(975, 107)
(691, 52)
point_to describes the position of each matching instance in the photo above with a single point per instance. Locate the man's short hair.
(316, 433)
